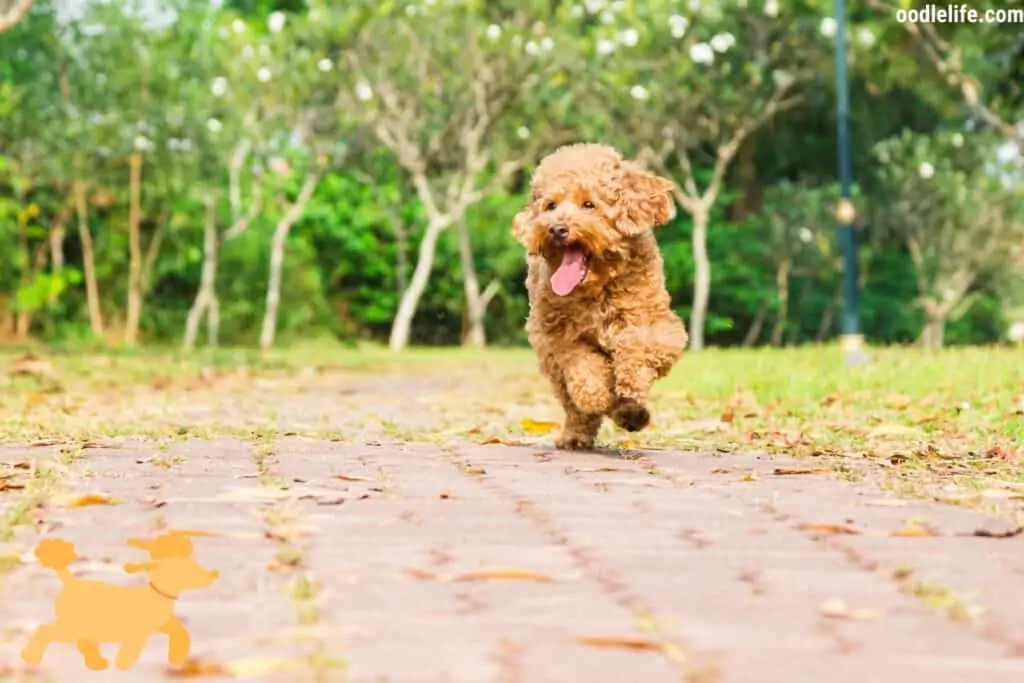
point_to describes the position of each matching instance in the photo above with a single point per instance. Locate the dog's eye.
(550, 206)
(588, 204)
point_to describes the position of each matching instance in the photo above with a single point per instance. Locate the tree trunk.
(402, 255)
(134, 308)
(206, 298)
(782, 287)
(476, 336)
(401, 327)
(56, 236)
(22, 316)
(277, 253)
(702, 278)
(92, 290)
(756, 326)
(933, 333)
(828, 316)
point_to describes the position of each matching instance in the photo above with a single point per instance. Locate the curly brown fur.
(600, 320)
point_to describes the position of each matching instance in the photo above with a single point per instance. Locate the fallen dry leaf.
(915, 530)
(42, 443)
(830, 529)
(537, 426)
(444, 495)
(836, 608)
(494, 440)
(1007, 454)
(1009, 533)
(623, 642)
(87, 500)
(783, 471)
(422, 574)
(502, 573)
(195, 668)
(352, 477)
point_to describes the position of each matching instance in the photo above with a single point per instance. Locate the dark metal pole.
(850, 337)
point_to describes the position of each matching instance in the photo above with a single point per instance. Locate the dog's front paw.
(96, 663)
(574, 441)
(630, 414)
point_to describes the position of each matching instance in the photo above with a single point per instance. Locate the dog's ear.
(645, 200)
(521, 225)
(135, 568)
(138, 543)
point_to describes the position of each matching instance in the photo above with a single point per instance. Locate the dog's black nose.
(559, 231)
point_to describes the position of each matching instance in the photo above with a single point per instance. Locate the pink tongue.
(569, 273)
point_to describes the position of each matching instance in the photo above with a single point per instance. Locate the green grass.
(920, 418)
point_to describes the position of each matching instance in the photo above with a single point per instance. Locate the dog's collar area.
(161, 593)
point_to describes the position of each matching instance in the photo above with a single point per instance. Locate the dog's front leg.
(129, 652)
(640, 355)
(582, 379)
(94, 659)
(178, 641)
(33, 652)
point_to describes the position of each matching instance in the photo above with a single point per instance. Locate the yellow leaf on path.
(506, 573)
(537, 426)
(87, 500)
(914, 530)
(622, 642)
(195, 668)
(256, 667)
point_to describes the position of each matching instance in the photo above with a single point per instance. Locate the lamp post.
(850, 338)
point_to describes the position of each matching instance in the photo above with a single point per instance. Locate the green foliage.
(239, 101)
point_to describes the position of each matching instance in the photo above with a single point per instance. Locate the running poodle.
(600, 317)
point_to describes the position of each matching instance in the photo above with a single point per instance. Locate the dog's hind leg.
(33, 652)
(178, 642)
(94, 659)
(129, 652)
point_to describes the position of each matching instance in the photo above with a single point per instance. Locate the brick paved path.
(342, 562)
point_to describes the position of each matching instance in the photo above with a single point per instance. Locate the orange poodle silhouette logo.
(92, 612)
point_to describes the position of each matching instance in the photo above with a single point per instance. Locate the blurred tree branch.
(945, 57)
(10, 14)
